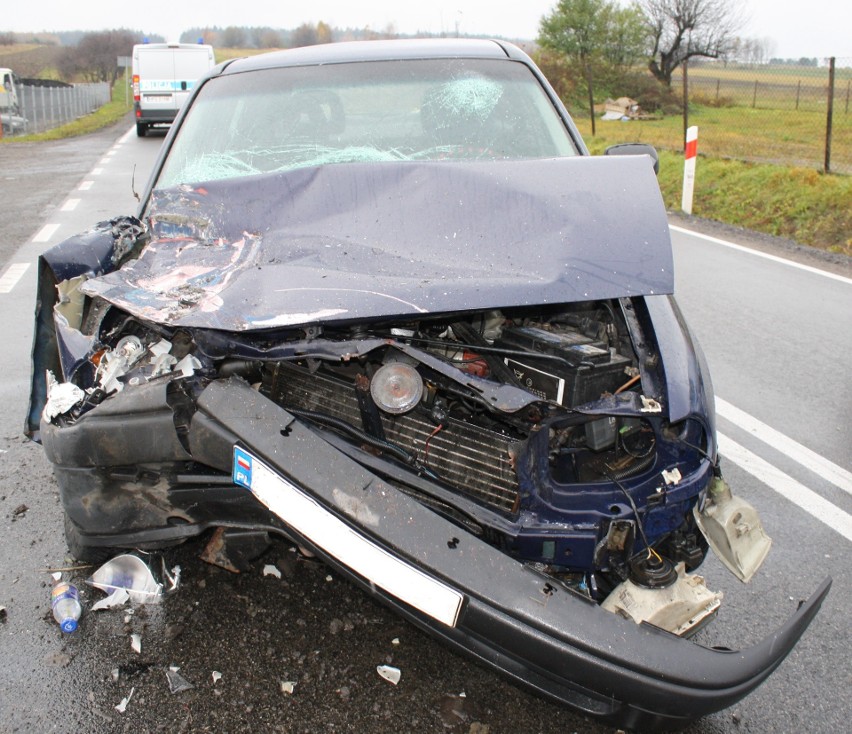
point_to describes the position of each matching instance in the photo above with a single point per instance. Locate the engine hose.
(342, 425)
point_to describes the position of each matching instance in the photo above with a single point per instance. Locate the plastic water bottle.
(65, 602)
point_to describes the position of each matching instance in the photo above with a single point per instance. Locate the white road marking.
(758, 253)
(787, 487)
(811, 460)
(70, 205)
(96, 171)
(12, 276)
(85, 185)
(46, 232)
(104, 161)
(124, 138)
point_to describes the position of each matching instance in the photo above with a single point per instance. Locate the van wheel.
(141, 129)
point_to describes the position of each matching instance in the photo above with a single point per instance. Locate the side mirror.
(635, 149)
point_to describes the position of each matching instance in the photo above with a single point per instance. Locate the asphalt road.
(778, 337)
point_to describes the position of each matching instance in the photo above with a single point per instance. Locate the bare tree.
(97, 54)
(684, 29)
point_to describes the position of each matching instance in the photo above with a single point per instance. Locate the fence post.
(798, 92)
(848, 86)
(829, 114)
(718, 83)
(754, 96)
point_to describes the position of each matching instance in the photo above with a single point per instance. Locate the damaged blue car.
(379, 301)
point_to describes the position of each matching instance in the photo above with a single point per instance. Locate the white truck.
(163, 77)
(10, 108)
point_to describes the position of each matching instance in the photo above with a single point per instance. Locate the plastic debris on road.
(177, 683)
(122, 706)
(217, 676)
(118, 598)
(136, 642)
(288, 686)
(130, 573)
(389, 673)
(270, 570)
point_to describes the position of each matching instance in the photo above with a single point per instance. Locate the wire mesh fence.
(799, 115)
(40, 108)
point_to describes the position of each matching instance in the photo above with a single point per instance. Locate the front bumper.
(526, 625)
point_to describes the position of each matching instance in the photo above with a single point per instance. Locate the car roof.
(390, 50)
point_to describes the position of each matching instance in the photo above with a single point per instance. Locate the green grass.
(800, 204)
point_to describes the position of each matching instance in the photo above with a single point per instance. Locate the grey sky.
(819, 28)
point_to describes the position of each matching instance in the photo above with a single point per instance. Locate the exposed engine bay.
(530, 427)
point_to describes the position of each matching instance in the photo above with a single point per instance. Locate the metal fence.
(779, 113)
(42, 108)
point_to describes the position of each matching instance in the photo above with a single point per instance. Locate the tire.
(141, 129)
(95, 554)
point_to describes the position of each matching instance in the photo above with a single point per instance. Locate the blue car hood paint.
(366, 240)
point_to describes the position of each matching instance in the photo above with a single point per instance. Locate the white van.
(163, 77)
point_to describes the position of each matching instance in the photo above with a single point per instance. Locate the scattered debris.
(395, 641)
(177, 683)
(3, 615)
(19, 511)
(288, 686)
(118, 598)
(234, 549)
(270, 570)
(624, 108)
(57, 576)
(456, 710)
(217, 676)
(122, 707)
(136, 642)
(389, 673)
(115, 673)
(130, 573)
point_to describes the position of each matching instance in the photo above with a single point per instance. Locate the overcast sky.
(817, 28)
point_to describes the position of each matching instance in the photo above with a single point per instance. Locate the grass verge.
(800, 204)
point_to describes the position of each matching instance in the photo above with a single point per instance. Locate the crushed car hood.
(345, 242)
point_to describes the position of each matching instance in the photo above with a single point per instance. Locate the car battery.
(585, 370)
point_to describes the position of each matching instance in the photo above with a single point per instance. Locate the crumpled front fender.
(511, 618)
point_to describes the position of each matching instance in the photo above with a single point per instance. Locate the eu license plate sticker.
(311, 520)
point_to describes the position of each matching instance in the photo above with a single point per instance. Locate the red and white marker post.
(690, 153)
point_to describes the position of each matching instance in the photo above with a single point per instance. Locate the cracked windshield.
(364, 112)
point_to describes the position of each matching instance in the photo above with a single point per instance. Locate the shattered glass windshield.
(404, 110)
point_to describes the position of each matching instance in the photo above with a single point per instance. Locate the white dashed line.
(46, 232)
(104, 161)
(70, 205)
(758, 253)
(97, 171)
(809, 459)
(13, 274)
(85, 186)
(787, 487)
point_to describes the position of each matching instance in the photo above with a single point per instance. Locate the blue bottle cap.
(68, 625)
